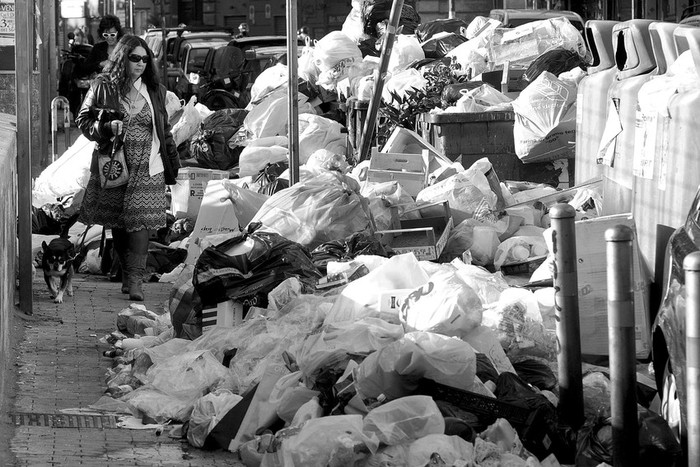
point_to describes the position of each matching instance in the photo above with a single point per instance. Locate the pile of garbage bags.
(365, 315)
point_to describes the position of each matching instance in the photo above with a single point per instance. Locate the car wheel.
(670, 403)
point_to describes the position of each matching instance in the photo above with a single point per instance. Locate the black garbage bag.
(209, 147)
(439, 47)
(249, 277)
(485, 369)
(377, 11)
(536, 373)
(555, 61)
(269, 180)
(657, 444)
(360, 243)
(541, 433)
(425, 31)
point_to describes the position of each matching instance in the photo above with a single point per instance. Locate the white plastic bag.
(444, 305)
(481, 99)
(333, 55)
(401, 82)
(269, 116)
(381, 197)
(268, 81)
(172, 104)
(403, 420)
(360, 298)
(327, 160)
(518, 249)
(207, 412)
(189, 122)
(316, 132)
(466, 192)
(254, 158)
(67, 175)
(308, 71)
(451, 449)
(545, 120)
(354, 27)
(406, 50)
(187, 375)
(246, 203)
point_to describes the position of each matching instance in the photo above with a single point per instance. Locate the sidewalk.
(59, 365)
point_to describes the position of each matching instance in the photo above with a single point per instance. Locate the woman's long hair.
(117, 71)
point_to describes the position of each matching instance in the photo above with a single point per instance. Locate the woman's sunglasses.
(109, 34)
(134, 58)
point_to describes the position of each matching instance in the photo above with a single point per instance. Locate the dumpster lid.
(632, 45)
(599, 42)
(663, 45)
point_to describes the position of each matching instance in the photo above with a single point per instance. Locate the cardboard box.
(410, 170)
(405, 141)
(216, 216)
(225, 314)
(188, 192)
(425, 237)
(593, 291)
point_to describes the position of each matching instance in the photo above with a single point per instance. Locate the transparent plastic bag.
(188, 375)
(518, 249)
(316, 132)
(545, 120)
(316, 211)
(403, 420)
(188, 124)
(481, 99)
(400, 82)
(406, 50)
(453, 450)
(207, 412)
(158, 405)
(466, 192)
(395, 369)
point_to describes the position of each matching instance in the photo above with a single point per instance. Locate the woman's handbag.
(113, 170)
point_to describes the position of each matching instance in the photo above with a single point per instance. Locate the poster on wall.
(7, 35)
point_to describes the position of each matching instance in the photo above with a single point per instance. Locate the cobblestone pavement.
(59, 366)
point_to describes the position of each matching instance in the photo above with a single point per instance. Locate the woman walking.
(126, 104)
(110, 29)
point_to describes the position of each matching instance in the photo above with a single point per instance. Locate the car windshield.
(195, 60)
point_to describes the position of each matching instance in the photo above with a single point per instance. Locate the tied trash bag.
(377, 11)
(428, 29)
(400, 83)
(396, 369)
(545, 120)
(269, 80)
(445, 305)
(253, 159)
(210, 146)
(334, 54)
(269, 116)
(406, 50)
(65, 176)
(482, 99)
(316, 132)
(403, 420)
(325, 208)
(657, 444)
(262, 262)
(442, 44)
(188, 124)
(206, 414)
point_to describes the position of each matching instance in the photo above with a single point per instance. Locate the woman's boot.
(121, 246)
(136, 263)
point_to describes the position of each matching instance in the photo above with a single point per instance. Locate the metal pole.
(691, 265)
(623, 375)
(293, 91)
(376, 100)
(451, 9)
(44, 81)
(567, 317)
(24, 63)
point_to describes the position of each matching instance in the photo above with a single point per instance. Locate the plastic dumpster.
(665, 199)
(591, 99)
(647, 204)
(483, 134)
(635, 61)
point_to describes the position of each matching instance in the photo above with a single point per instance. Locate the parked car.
(668, 332)
(512, 18)
(192, 61)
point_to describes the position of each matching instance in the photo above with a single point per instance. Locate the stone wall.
(8, 105)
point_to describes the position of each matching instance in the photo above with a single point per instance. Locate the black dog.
(57, 262)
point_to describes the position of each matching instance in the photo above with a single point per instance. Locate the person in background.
(243, 31)
(110, 29)
(126, 103)
(79, 37)
(303, 33)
